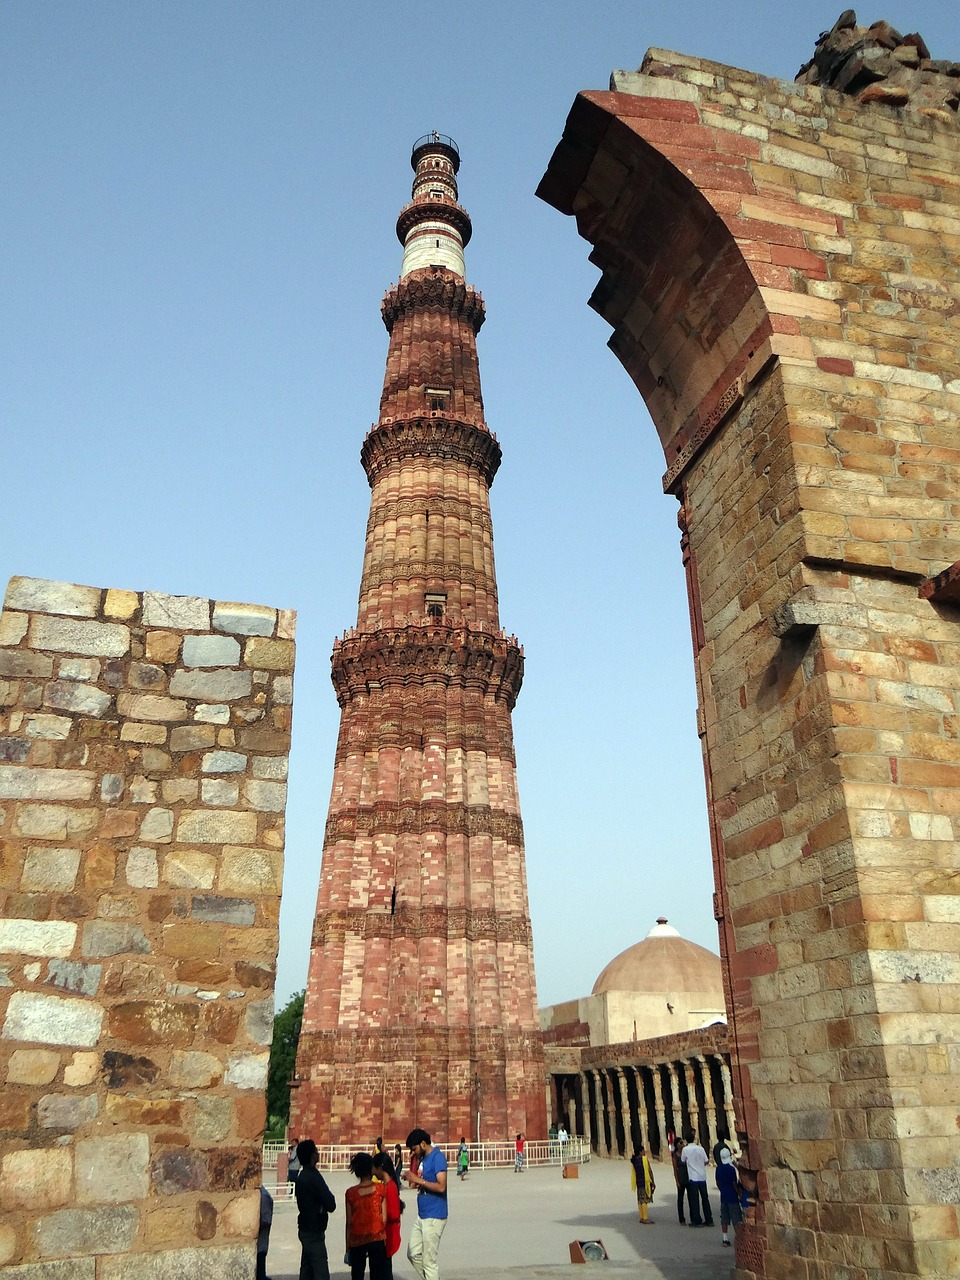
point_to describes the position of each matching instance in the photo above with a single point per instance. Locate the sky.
(197, 221)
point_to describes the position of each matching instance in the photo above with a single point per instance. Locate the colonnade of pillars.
(618, 1108)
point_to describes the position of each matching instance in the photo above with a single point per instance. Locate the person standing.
(681, 1178)
(385, 1173)
(728, 1185)
(315, 1202)
(365, 1229)
(263, 1234)
(563, 1138)
(520, 1156)
(398, 1159)
(293, 1167)
(695, 1159)
(463, 1159)
(643, 1182)
(429, 1180)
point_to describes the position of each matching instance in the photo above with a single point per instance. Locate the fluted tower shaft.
(421, 1001)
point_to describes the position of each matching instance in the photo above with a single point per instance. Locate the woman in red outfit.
(366, 1225)
(386, 1175)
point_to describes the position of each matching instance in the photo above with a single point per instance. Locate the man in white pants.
(430, 1182)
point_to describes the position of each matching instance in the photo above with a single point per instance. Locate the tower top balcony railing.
(432, 142)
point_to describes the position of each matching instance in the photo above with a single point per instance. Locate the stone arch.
(802, 384)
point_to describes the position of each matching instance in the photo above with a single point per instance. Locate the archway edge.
(704, 271)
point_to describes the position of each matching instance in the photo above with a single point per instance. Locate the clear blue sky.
(196, 228)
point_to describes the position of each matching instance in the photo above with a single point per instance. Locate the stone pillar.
(661, 1109)
(708, 1100)
(728, 1098)
(675, 1104)
(626, 1114)
(802, 370)
(693, 1102)
(143, 741)
(611, 1107)
(643, 1119)
(587, 1110)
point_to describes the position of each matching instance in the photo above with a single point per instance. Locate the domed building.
(660, 985)
(645, 1054)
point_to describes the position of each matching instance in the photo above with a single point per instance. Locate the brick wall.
(781, 268)
(143, 754)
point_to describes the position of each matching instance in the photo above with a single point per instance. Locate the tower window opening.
(393, 901)
(438, 195)
(438, 244)
(436, 398)
(435, 602)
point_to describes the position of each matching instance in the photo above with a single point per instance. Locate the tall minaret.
(421, 1003)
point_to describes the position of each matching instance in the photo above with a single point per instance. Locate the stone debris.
(877, 64)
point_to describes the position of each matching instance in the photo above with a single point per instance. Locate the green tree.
(283, 1056)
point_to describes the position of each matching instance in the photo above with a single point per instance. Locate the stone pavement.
(520, 1225)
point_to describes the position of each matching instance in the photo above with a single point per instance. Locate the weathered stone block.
(224, 762)
(200, 826)
(157, 826)
(121, 604)
(113, 938)
(19, 782)
(47, 870)
(189, 869)
(32, 1066)
(151, 706)
(189, 613)
(220, 792)
(233, 1262)
(67, 1111)
(36, 1179)
(84, 1232)
(74, 975)
(72, 1269)
(45, 1019)
(244, 619)
(269, 655)
(194, 1069)
(248, 1071)
(211, 686)
(37, 937)
(249, 871)
(211, 651)
(81, 1070)
(125, 1070)
(37, 595)
(267, 797)
(53, 821)
(259, 1021)
(239, 911)
(159, 1022)
(94, 639)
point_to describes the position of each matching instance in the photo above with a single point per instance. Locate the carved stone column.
(677, 1124)
(708, 1100)
(587, 1113)
(661, 1110)
(643, 1118)
(693, 1103)
(626, 1114)
(728, 1110)
(610, 1106)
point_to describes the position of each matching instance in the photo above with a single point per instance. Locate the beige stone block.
(32, 1066)
(151, 706)
(287, 624)
(155, 734)
(39, 595)
(20, 782)
(193, 1069)
(36, 1179)
(120, 604)
(13, 627)
(199, 826)
(37, 937)
(241, 1216)
(179, 790)
(75, 636)
(47, 870)
(269, 655)
(163, 646)
(81, 1070)
(250, 871)
(8, 1243)
(189, 869)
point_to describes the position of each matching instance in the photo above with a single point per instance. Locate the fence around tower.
(483, 1155)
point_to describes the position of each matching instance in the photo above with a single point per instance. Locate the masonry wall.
(143, 757)
(781, 266)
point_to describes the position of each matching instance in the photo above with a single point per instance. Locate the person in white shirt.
(695, 1159)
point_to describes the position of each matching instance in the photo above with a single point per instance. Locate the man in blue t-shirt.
(430, 1183)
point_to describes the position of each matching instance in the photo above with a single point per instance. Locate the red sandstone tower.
(421, 1003)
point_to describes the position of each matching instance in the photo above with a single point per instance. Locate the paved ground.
(520, 1226)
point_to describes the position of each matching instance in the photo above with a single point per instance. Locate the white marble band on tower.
(434, 228)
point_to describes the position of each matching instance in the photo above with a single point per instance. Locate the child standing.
(366, 1225)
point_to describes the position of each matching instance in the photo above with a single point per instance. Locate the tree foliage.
(283, 1056)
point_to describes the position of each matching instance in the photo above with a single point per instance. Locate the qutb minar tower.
(421, 1002)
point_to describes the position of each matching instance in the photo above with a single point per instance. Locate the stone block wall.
(143, 758)
(781, 268)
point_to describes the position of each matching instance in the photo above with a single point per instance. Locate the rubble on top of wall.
(878, 64)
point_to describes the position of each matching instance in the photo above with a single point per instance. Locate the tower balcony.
(430, 144)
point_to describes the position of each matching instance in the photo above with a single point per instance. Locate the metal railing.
(483, 1155)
